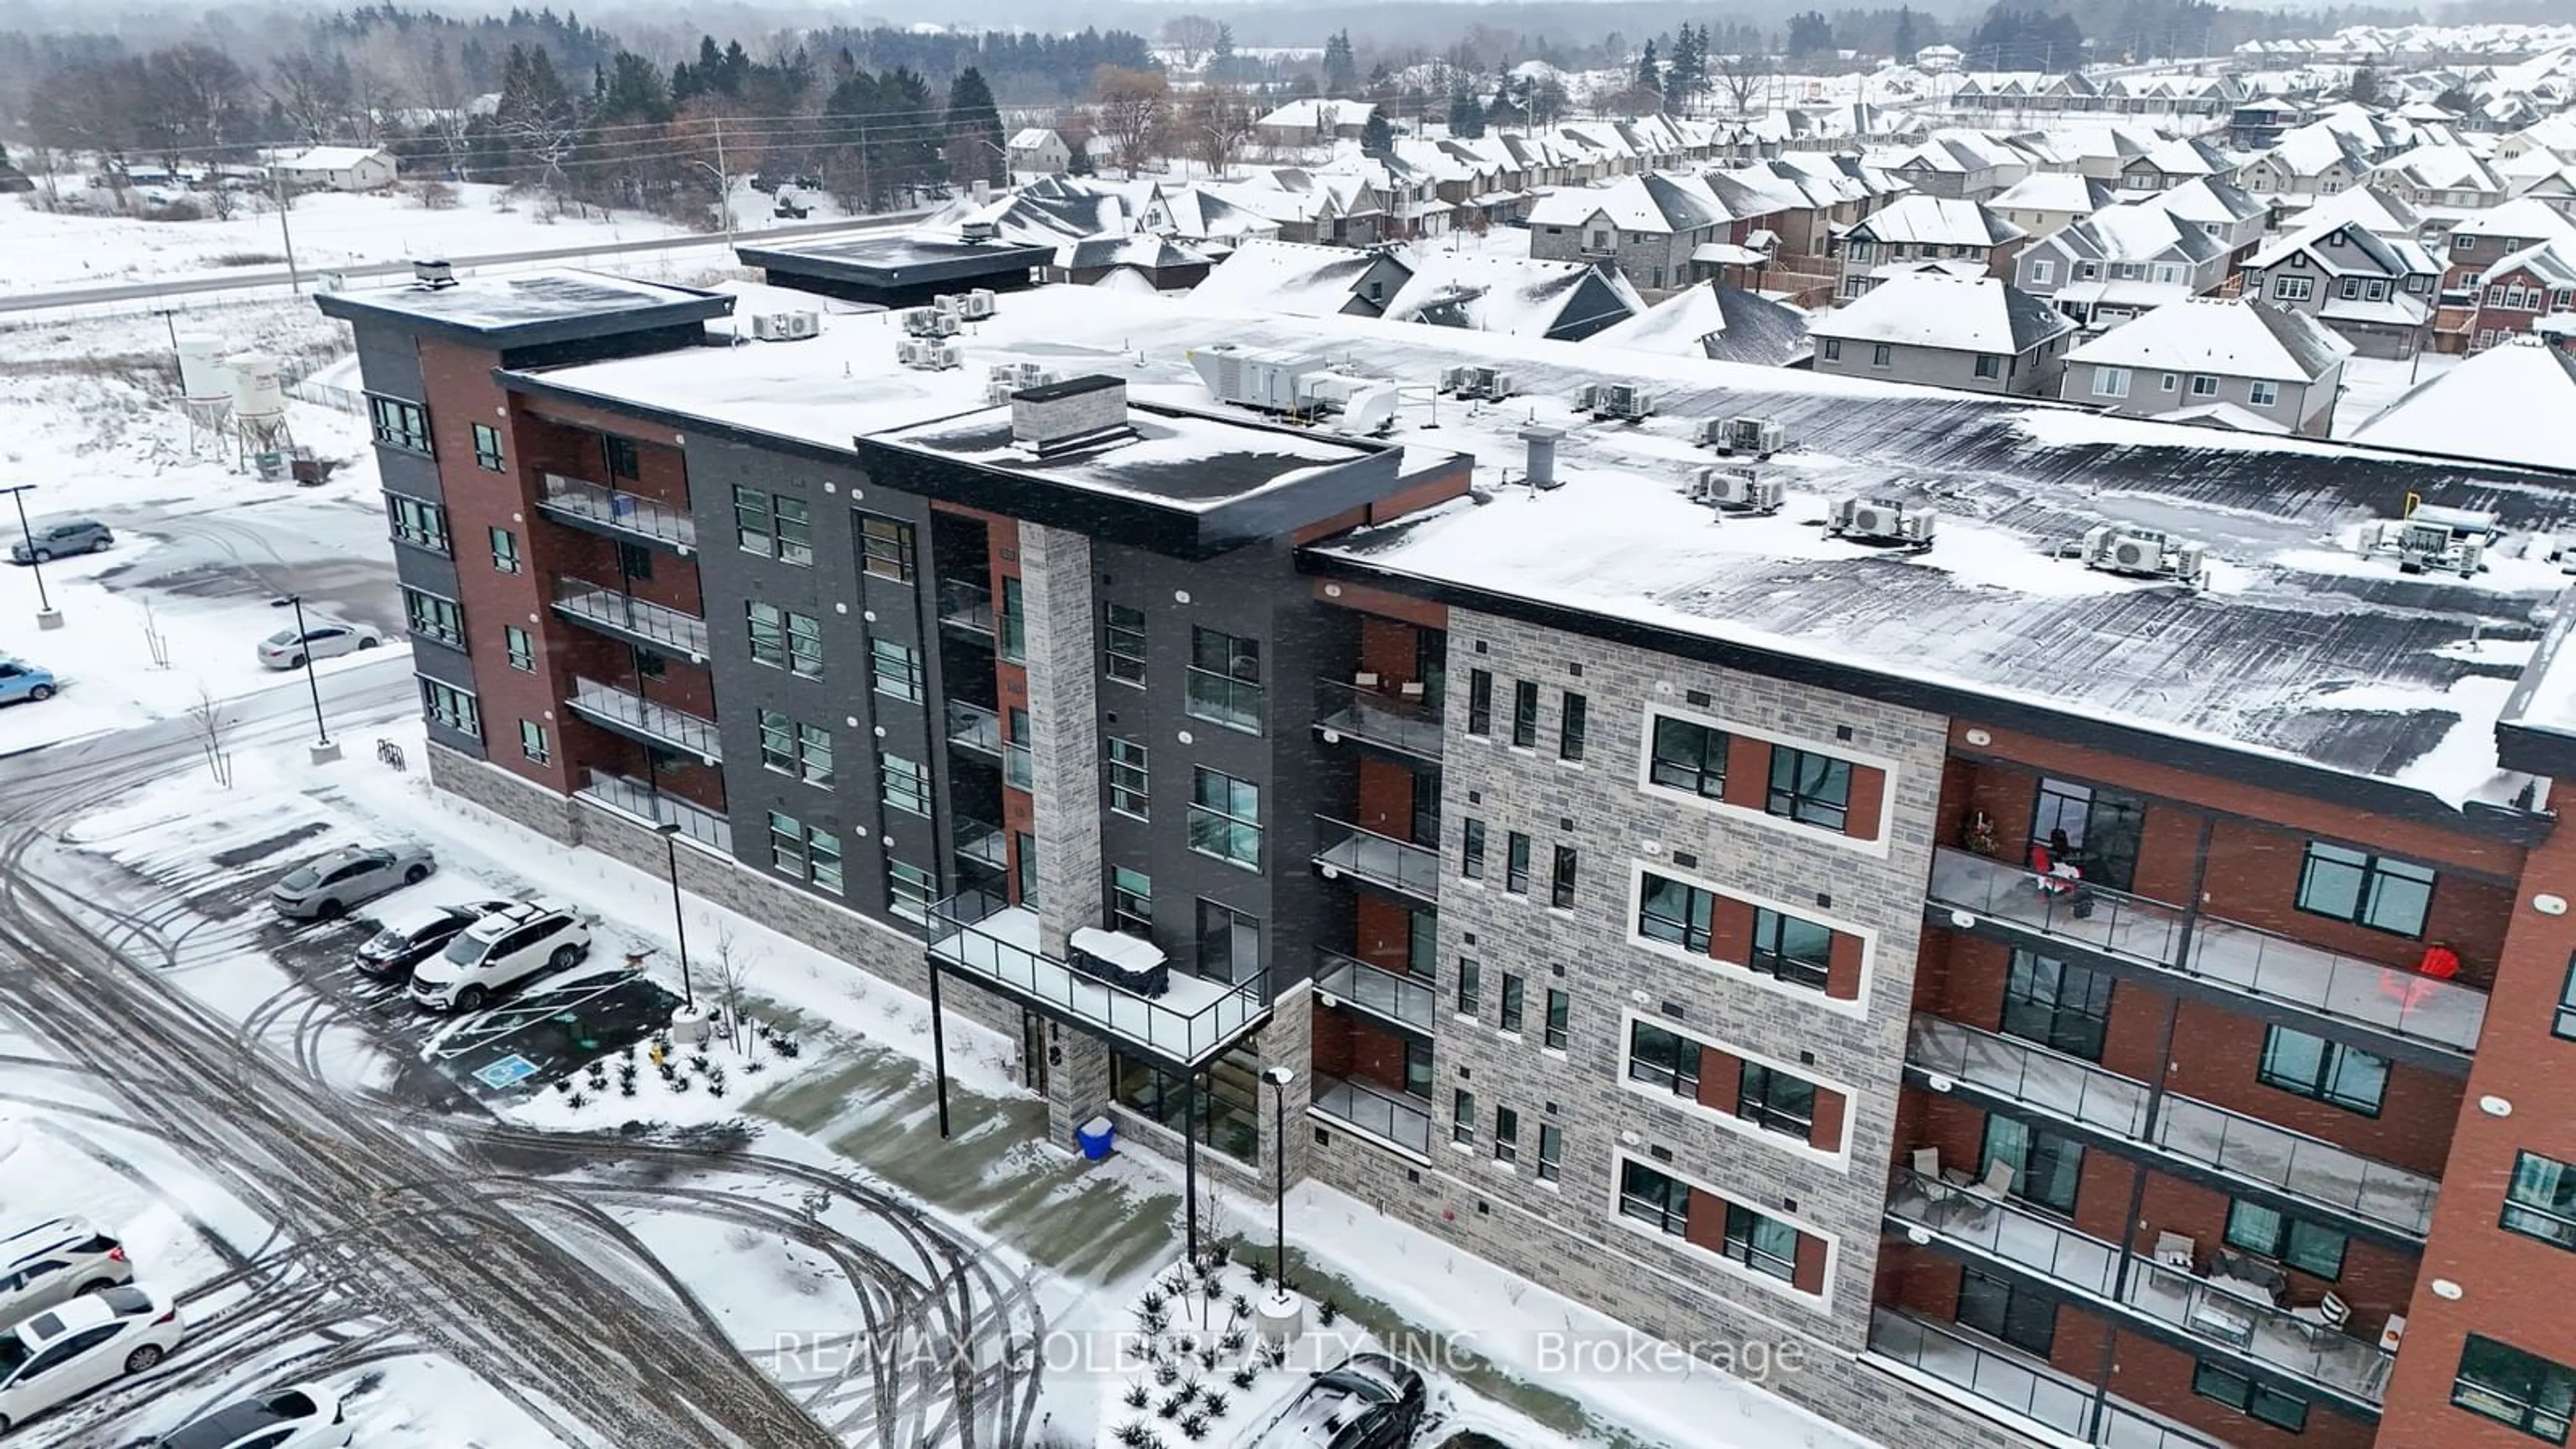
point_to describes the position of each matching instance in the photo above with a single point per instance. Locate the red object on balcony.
(2440, 962)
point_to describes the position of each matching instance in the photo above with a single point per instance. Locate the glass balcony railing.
(2106, 920)
(980, 934)
(973, 727)
(1384, 717)
(1407, 1000)
(982, 844)
(966, 605)
(634, 797)
(1378, 859)
(624, 616)
(2061, 1085)
(1404, 1121)
(2004, 1230)
(647, 519)
(650, 720)
(2021, 1385)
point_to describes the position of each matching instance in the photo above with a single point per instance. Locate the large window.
(885, 548)
(422, 525)
(1507, 1135)
(432, 617)
(2045, 1166)
(1689, 757)
(2022, 1317)
(753, 527)
(2501, 1382)
(806, 852)
(790, 748)
(2331, 1072)
(1560, 1012)
(1462, 1119)
(1515, 1002)
(1225, 679)
(1224, 1113)
(399, 424)
(2540, 1201)
(1788, 949)
(1570, 719)
(450, 706)
(895, 669)
(909, 890)
(1122, 642)
(2245, 1396)
(1560, 890)
(1471, 984)
(2365, 889)
(1776, 1100)
(1810, 788)
(1480, 702)
(1654, 1198)
(906, 783)
(1668, 910)
(1551, 1152)
(1525, 714)
(1128, 779)
(521, 647)
(1131, 902)
(622, 457)
(532, 742)
(785, 639)
(1660, 1058)
(774, 525)
(1764, 1244)
(505, 552)
(1229, 942)
(1225, 817)
(2057, 1005)
(2302, 1245)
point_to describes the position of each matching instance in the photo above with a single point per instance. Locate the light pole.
(47, 616)
(322, 750)
(669, 830)
(1279, 1078)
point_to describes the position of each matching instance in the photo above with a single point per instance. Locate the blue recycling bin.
(1096, 1137)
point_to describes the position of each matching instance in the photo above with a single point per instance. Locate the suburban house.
(2505, 404)
(1974, 333)
(1159, 262)
(2384, 216)
(1040, 150)
(2257, 124)
(2169, 162)
(1719, 322)
(2479, 242)
(2121, 261)
(2440, 179)
(1926, 228)
(1961, 165)
(1311, 206)
(1314, 121)
(1647, 227)
(337, 168)
(1303, 280)
(2511, 297)
(2044, 201)
(1470, 180)
(2310, 161)
(2374, 293)
(1409, 194)
(2541, 177)
(2221, 209)
(1204, 221)
(1519, 296)
(2225, 361)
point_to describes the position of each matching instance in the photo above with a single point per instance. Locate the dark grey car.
(60, 539)
(1367, 1401)
(326, 887)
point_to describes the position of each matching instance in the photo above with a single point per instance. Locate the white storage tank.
(259, 385)
(203, 377)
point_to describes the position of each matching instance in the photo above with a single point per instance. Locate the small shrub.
(181, 209)
(1241, 1307)
(245, 259)
(1170, 1407)
(1232, 1342)
(563, 1086)
(1194, 1428)
(1244, 1377)
(1166, 1374)
(1328, 1313)
(753, 1069)
(678, 1084)
(1136, 1397)
(698, 1062)
(1153, 1301)
(1151, 1321)
(1272, 1355)
(1190, 1393)
(1215, 1405)
(786, 1047)
(1259, 1268)
(1207, 1359)
(435, 196)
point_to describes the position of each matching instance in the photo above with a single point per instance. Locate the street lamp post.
(47, 616)
(1279, 1078)
(323, 750)
(669, 830)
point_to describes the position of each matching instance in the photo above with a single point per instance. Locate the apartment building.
(2054, 1000)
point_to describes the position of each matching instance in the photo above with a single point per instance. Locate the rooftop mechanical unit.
(1490, 384)
(1290, 382)
(2143, 553)
(975, 233)
(928, 322)
(1625, 401)
(929, 354)
(786, 326)
(1893, 525)
(974, 306)
(1736, 490)
(1750, 437)
(1005, 378)
(2432, 539)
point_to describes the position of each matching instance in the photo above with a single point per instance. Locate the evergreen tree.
(630, 91)
(2364, 89)
(1466, 114)
(1377, 137)
(1505, 109)
(1650, 74)
(1810, 34)
(974, 131)
(1905, 44)
(1221, 59)
(1686, 73)
(1341, 67)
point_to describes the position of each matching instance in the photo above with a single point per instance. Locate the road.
(277, 277)
(424, 1220)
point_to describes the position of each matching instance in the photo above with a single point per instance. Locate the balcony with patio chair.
(616, 513)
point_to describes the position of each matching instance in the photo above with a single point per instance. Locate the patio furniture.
(2392, 1333)
(2328, 1315)
(2174, 1250)
(2223, 1316)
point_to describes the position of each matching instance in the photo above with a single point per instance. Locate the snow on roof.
(2547, 261)
(2312, 149)
(1725, 323)
(2381, 213)
(2225, 415)
(2231, 336)
(2136, 232)
(1312, 112)
(1935, 309)
(1034, 138)
(1936, 221)
(2525, 218)
(1515, 295)
(2506, 404)
(1290, 277)
(2447, 168)
(1649, 203)
(333, 158)
(2208, 199)
(2053, 191)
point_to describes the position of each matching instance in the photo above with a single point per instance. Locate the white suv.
(498, 952)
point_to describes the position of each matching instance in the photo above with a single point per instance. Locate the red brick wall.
(2254, 878)
(1385, 799)
(2376, 1281)
(1350, 1045)
(2149, 1374)
(2217, 1052)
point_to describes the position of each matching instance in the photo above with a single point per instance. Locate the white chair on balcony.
(2173, 1250)
(2328, 1315)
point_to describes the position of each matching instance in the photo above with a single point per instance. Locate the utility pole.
(277, 192)
(724, 182)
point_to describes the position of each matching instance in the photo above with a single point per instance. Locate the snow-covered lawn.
(2372, 383)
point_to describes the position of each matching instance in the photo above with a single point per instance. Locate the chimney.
(1542, 455)
(1060, 417)
(976, 233)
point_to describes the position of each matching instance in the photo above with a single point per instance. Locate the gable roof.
(1935, 309)
(2383, 213)
(1034, 138)
(333, 158)
(1652, 202)
(1291, 277)
(2312, 149)
(1713, 320)
(2505, 404)
(2525, 218)
(2234, 336)
(2136, 232)
(1514, 295)
(2548, 261)
(2053, 191)
(1936, 221)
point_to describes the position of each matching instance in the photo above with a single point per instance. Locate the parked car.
(498, 952)
(320, 889)
(306, 1416)
(405, 938)
(321, 639)
(1367, 1401)
(22, 680)
(62, 538)
(46, 1263)
(66, 1351)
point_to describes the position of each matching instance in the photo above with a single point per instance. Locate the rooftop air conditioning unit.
(1453, 378)
(947, 354)
(2143, 553)
(1617, 400)
(997, 391)
(1032, 375)
(928, 322)
(928, 353)
(2451, 540)
(786, 326)
(1737, 490)
(1489, 383)
(432, 274)
(1869, 520)
(976, 305)
(1760, 437)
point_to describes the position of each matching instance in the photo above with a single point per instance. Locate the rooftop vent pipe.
(1542, 455)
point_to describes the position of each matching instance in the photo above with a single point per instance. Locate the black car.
(1367, 1401)
(406, 938)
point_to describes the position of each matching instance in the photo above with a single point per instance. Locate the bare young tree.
(1741, 76)
(1219, 126)
(733, 967)
(307, 89)
(214, 731)
(1135, 109)
(1194, 36)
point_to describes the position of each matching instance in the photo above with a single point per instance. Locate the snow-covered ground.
(2372, 383)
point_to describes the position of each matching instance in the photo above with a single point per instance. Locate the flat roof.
(1188, 460)
(894, 261)
(530, 310)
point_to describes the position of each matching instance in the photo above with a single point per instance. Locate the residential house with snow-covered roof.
(1926, 228)
(1039, 149)
(1961, 165)
(337, 168)
(2388, 217)
(2478, 242)
(2311, 161)
(1978, 334)
(2511, 297)
(1314, 121)
(2226, 361)
(2507, 404)
(2221, 209)
(1204, 221)
(1718, 322)
(1304, 280)
(1517, 296)
(2375, 293)
(2171, 161)
(2121, 261)
(1647, 227)
(2044, 201)
(2543, 178)
(2440, 179)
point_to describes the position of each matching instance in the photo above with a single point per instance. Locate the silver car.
(321, 639)
(55, 1261)
(322, 889)
(60, 539)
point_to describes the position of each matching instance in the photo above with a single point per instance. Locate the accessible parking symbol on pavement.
(509, 1071)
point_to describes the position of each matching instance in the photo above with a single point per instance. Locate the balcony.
(653, 807)
(1403, 1122)
(651, 721)
(2190, 1312)
(982, 844)
(2200, 1138)
(1381, 860)
(980, 935)
(2392, 1004)
(630, 619)
(2020, 1385)
(1408, 1001)
(617, 513)
(1388, 720)
(973, 727)
(967, 606)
